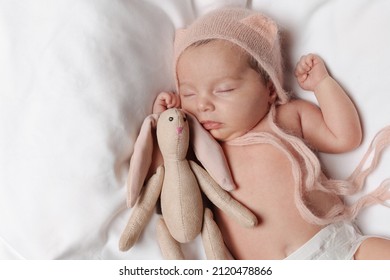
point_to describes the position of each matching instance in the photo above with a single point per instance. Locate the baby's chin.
(222, 136)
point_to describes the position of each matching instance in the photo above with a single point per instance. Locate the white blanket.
(77, 77)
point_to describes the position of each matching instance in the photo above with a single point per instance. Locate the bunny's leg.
(170, 248)
(213, 243)
(142, 211)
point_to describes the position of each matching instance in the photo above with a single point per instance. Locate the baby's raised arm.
(336, 126)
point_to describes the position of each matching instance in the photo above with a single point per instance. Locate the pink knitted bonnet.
(252, 31)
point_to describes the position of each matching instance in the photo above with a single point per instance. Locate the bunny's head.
(173, 134)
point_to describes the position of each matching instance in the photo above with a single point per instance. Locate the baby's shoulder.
(288, 116)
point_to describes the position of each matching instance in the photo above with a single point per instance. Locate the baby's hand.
(164, 101)
(310, 71)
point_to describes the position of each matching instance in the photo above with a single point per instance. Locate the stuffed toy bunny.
(179, 183)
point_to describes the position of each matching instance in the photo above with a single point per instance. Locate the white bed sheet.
(77, 77)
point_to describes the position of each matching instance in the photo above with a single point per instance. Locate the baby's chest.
(261, 172)
(257, 160)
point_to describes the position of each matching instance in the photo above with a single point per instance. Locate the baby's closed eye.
(187, 93)
(225, 88)
(222, 90)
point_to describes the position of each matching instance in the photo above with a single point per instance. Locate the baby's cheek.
(188, 106)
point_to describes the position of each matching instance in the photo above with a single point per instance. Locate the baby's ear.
(272, 92)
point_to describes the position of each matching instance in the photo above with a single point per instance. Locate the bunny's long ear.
(141, 159)
(210, 154)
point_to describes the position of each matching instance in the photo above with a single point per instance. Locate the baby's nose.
(204, 104)
(179, 129)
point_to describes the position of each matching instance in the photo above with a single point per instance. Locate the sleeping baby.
(229, 75)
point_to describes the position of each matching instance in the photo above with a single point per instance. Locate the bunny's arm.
(222, 199)
(142, 211)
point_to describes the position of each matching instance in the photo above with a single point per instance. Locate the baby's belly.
(269, 240)
(267, 187)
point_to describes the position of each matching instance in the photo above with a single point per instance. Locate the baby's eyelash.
(224, 90)
(187, 94)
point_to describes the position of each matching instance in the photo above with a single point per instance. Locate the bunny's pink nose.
(179, 129)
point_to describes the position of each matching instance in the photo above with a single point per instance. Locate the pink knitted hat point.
(252, 31)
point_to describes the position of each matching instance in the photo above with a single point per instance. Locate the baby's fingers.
(172, 100)
(302, 78)
(301, 70)
(304, 65)
(309, 60)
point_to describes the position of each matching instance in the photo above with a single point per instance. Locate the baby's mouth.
(209, 125)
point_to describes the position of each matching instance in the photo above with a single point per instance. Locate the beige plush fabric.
(179, 184)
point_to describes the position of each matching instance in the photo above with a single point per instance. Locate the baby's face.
(217, 85)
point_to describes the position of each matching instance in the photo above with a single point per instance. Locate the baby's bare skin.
(267, 188)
